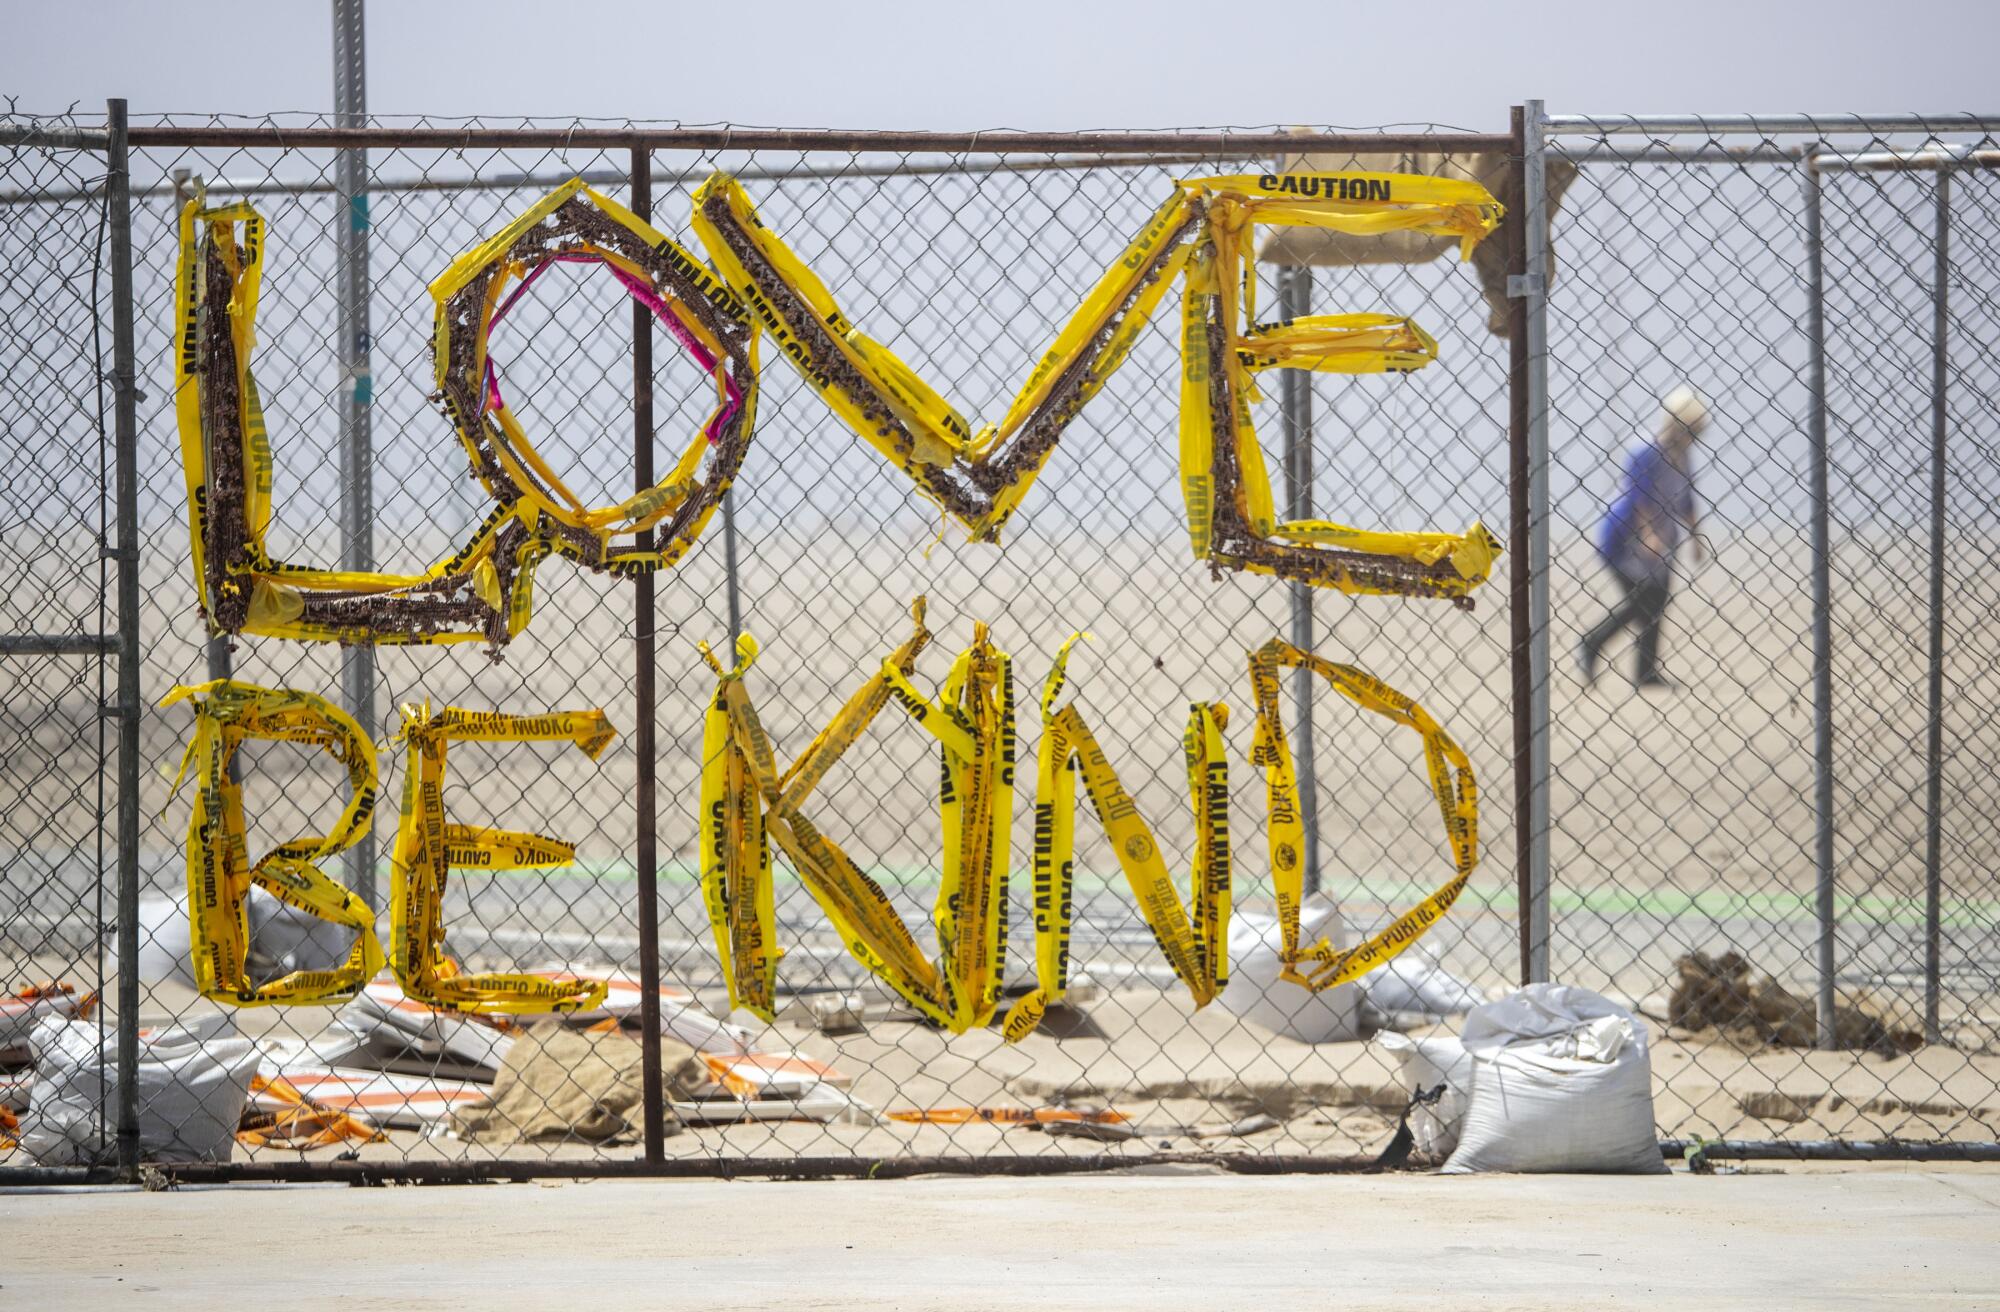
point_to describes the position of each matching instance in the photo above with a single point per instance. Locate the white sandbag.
(193, 1082)
(1415, 984)
(1560, 1082)
(1422, 1065)
(1256, 994)
(21, 1012)
(165, 952)
(282, 939)
(394, 1032)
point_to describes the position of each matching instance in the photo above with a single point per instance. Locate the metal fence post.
(1534, 241)
(125, 409)
(645, 695)
(1517, 530)
(729, 585)
(1822, 620)
(1295, 283)
(1934, 778)
(357, 458)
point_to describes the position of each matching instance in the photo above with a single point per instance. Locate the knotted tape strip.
(220, 874)
(428, 848)
(1451, 782)
(1195, 945)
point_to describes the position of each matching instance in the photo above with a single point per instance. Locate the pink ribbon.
(642, 292)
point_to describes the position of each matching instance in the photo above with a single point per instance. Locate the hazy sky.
(1027, 64)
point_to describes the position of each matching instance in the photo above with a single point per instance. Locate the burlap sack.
(560, 1083)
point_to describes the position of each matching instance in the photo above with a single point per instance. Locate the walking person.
(1655, 511)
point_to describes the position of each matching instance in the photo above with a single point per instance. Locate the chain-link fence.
(57, 539)
(1681, 820)
(1826, 960)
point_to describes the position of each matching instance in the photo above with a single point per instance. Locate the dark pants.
(1644, 604)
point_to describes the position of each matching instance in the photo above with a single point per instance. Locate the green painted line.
(1668, 904)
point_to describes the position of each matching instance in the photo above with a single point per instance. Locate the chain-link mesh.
(55, 777)
(1683, 820)
(1683, 788)
(967, 264)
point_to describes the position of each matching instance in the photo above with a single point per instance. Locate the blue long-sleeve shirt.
(1657, 492)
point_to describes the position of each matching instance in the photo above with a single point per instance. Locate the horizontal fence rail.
(1243, 144)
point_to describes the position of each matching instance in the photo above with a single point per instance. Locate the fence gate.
(964, 253)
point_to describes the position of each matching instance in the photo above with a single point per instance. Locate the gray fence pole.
(1296, 400)
(125, 410)
(1822, 602)
(187, 185)
(1934, 781)
(645, 697)
(357, 457)
(729, 583)
(1535, 205)
(1517, 522)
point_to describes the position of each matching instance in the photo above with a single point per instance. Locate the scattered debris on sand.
(1753, 1010)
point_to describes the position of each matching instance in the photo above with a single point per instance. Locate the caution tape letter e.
(428, 848)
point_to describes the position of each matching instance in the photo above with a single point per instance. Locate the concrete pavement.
(1801, 1238)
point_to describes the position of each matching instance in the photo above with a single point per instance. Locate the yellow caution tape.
(1197, 945)
(579, 225)
(735, 854)
(428, 848)
(219, 870)
(1201, 233)
(484, 591)
(1338, 344)
(226, 460)
(745, 803)
(973, 721)
(860, 911)
(882, 399)
(1451, 781)
(1232, 518)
